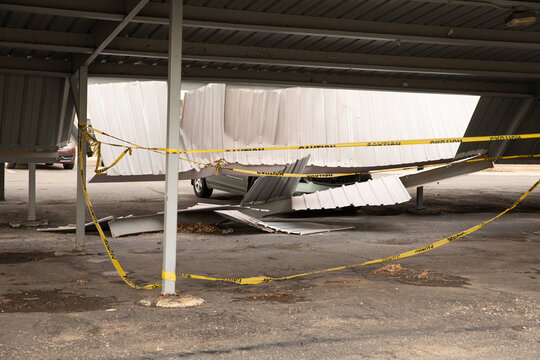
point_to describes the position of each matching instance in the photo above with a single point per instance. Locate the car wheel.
(68, 166)
(201, 189)
(11, 165)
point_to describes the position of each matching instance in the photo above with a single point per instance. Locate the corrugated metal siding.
(215, 117)
(36, 112)
(529, 125)
(288, 227)
(494, 116)
(302, 227)
(136, 112)
(387, 190)
(410, 12)
(237, 215)
(306, 116)
(269, 187)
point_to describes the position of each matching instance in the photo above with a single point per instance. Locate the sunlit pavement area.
(476, 298)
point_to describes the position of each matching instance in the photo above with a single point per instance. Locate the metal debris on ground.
(199, 228)
(29, 223)
(389, 270)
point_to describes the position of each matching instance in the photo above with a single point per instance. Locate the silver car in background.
(239, 185)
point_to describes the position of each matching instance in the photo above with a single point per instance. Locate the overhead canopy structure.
(420, 45)
(409, 45)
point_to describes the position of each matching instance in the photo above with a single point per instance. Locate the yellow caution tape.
(264, 279)
(168, 275)
(97, 170)
(333, 175)
(330, 146)
(128, 149)
(113, 258)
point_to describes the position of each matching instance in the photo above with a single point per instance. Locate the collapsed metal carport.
(414, 45)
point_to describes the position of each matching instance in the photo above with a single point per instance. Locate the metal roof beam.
(409, 33)
(56, 41)
(354, 61)
(64, 42)
(35, 66)
(156, 13)
(33, 7)
(105, 6)
(349, 81)
(105, 39)
(239, 20)
(200, 17)
(499, 4)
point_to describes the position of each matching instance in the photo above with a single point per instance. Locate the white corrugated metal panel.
(36, 112)
(304, 116)
(288, 227)
(302, 227)
(203, 123)
(307, 116)
(208, 207)
(271, 187)
(243, 218)
(134, 111)
(216, 117)
(387, 190)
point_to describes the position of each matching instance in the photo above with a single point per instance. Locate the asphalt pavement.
(475, 298)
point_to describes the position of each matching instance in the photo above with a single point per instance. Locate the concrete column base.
(173, 301)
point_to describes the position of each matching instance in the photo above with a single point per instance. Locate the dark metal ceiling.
(416, 45)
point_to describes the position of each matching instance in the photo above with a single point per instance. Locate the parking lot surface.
(476, 298)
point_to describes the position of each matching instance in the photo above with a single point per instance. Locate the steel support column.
(2, 181)
(420, 194)
(80, 212)
(420, 197)
(31, 192)
(173, 142)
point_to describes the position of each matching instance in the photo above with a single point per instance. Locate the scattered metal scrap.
(388, 190)
(287, 227)
(271, 196)
(90, 226)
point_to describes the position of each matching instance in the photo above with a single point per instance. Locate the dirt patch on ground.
(14, 258)
(389, 270)
(54, 301)
(281, 297)
(199, 228)
(419, 278)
